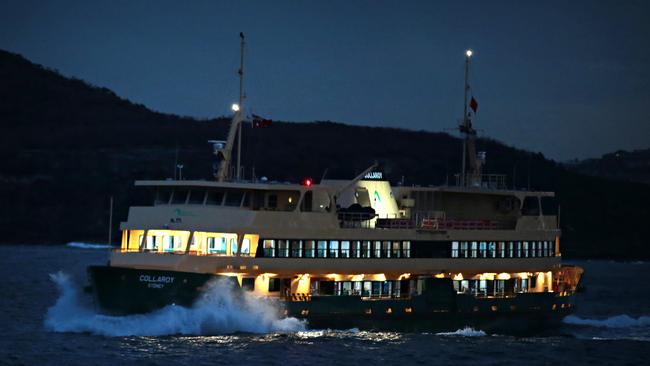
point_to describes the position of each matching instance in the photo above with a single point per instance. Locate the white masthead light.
(235, 107)
(468, 53)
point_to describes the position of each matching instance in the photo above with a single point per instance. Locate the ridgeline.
(68, 146)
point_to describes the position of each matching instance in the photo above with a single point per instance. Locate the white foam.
(219, 311)
(465, 332)
(79, 245)
(618, 321)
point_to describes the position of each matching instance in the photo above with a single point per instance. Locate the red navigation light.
(307, 182)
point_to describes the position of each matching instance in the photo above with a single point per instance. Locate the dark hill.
(633, 166)
(68, 146)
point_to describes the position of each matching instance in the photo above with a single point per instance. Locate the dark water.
(45, 321)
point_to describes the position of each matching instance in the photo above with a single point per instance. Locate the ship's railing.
(452, 224)
(434, 220)
(486, 181)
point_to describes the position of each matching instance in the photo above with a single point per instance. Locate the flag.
(473, 104)
(260, 121)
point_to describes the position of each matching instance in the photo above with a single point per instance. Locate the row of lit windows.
(494, 287)
(383, 289)
(336, 249)
(502, 249)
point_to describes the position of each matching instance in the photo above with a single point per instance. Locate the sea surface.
(46, 319)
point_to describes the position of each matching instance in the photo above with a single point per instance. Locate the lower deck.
(418, 301)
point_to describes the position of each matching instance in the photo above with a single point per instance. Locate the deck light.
(235, 107)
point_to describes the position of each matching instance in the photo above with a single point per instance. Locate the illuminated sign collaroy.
(374, 175)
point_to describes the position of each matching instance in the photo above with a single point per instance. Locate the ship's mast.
(223, 149)
(241, 101)
(469, 148)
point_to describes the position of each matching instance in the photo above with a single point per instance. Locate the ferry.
(349, 253)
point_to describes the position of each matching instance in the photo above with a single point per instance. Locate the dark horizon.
(567, 80)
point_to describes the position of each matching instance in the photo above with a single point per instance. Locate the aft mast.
(469, 135)
(223, 149)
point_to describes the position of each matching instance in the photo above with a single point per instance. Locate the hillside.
(633, 166)
(68, 146)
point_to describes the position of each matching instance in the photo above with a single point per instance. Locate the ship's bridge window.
(549, 206)
(196, 196)
(530, 207)
(179, 196)
(272, 201)
(162, 196)
(215, 197)
(307, 200)
(234, 198)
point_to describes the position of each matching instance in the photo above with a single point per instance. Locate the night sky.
(568, 78)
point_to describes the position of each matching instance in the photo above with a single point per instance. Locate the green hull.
(127, 291)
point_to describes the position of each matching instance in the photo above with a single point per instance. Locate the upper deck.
(337, 205)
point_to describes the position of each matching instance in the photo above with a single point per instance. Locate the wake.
(617, 321)
(465, 332)
(80, 245)
(219, 311)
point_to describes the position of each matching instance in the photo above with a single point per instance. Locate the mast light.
(468, 53)
(235, 107)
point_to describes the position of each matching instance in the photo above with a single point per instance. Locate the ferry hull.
(120, 290)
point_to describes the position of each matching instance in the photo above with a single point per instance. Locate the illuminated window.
(310, 248)
(269, 248)
(454, 249)
(377, 249)
(406, 249)
(322, 249)
(483, 250)
(233, 246)
(334, 249)
(367, 289)
(533, 249)
(463, 250)
(296, 248)
(356, 249)
(492, 249)
(283, 248)
(396, 250)
(216, 245)
(525, 249)
(511, 251)
(345, 249)
(474, 249)
(366, 249)
(346, 289)
(245, 247)
(502, 249)
(385, 246)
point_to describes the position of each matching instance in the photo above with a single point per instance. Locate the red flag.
(473, 104)
(261, 121)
